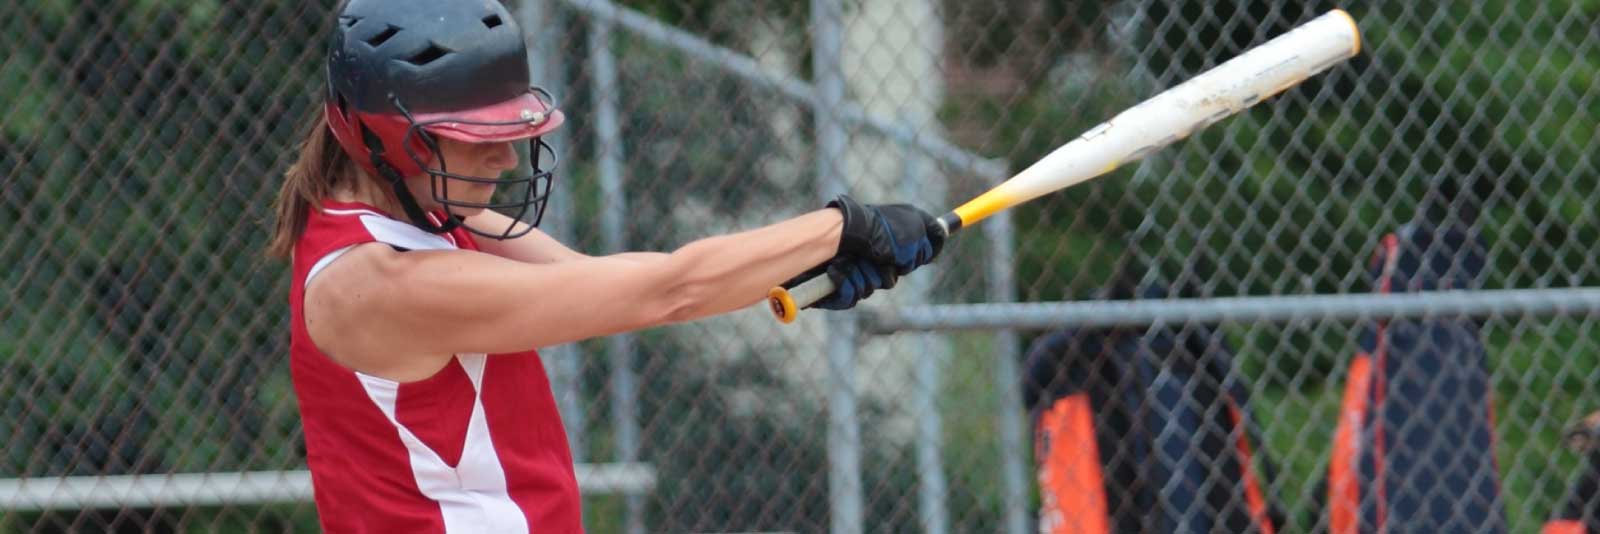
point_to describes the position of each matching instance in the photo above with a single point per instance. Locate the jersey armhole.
(323, 263)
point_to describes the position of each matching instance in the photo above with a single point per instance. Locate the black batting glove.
(854, 279)
(897, 235)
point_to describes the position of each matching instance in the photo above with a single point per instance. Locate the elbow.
(681, 314)
(685, 300)
(685, 292)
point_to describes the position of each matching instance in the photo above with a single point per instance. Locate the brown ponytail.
(321, 167)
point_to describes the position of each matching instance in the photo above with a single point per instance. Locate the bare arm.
(377, 310)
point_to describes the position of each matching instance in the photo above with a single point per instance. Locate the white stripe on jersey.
(472, 496)
(404, 235)
(324, 262)
(387, 231)
(398, 233)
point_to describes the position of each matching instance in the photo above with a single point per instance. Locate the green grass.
(1297, 428)
(969, 406)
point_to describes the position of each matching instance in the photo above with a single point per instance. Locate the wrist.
(832, 226)
(855, 232)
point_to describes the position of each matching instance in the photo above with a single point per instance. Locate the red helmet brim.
(523, 117)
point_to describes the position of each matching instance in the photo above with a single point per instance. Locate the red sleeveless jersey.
(477, 447)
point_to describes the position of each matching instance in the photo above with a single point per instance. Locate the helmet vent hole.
(428, 55)
(350, 22)
(371, 139)
(492, 21)
(383, 36)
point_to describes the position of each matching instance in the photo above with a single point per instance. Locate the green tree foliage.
(141, 155)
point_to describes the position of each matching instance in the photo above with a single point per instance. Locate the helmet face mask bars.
(404, 73)
(520, 197)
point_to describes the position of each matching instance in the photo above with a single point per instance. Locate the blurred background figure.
(1144, 429)
(1414, 449)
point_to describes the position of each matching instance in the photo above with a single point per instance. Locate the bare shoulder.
(348, 311)
(357, 271)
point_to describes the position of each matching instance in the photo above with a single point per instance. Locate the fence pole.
(613, 232)
(932, 487)
(548, 70)
(1002, 288)
(844, 432)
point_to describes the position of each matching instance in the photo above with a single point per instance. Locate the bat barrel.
(1172, 115)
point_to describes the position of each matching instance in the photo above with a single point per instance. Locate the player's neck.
(370, 192)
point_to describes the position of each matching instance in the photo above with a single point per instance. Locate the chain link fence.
(143, 339)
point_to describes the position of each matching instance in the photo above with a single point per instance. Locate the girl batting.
(419, 294)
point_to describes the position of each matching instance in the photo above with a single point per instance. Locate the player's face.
(482, 160)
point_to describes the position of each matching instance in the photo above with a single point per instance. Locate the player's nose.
(500, 156)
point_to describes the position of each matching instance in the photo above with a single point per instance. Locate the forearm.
(729, 272)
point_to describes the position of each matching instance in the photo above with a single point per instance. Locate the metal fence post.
(1002, 288)
(609, 155)
(844, 432)
(548, 70)
(932, 488)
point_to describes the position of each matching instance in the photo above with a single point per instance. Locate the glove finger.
(843, 296)
(870, 273)
(847, 295)
(887, 275)
(884, 275)
(852, 287)
(864, 286)
(924, 252)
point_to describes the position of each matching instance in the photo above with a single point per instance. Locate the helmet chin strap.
(408, 203)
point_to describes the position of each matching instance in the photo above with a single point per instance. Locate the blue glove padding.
(855, 279)
(899, 235)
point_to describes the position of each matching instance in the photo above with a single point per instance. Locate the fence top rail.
(1050, 315)
(748, 69)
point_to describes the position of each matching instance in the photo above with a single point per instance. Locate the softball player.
(419, 294)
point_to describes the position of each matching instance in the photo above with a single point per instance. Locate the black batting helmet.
(401, 72)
